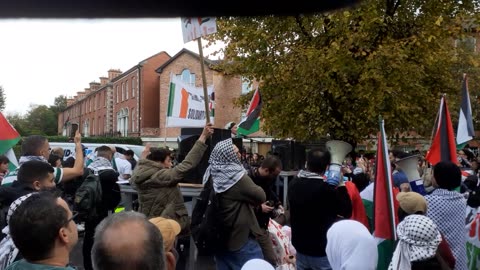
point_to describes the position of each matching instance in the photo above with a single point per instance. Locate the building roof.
(140, 64)
(208, 62)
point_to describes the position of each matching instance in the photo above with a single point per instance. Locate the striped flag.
(385, 206)
(465, 131)
(9, 137)
(443, 146)
(251, 123)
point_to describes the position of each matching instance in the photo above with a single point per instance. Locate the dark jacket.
(314, 207)
(236, 212)
(158, 191)
(9, 194)
(267, 186)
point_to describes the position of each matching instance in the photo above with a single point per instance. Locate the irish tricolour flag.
(9, 137)
(385, 209)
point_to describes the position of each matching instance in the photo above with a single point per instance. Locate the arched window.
(122, 122)
(187, 77)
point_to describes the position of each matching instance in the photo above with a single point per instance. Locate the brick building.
(186, 66)
(124, 104)
(134, 103)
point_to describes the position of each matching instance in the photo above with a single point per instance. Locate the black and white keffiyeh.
(99, 164)
(8, 250)
(225, 167)
(24, 159)
(418, 238)
(447, 209)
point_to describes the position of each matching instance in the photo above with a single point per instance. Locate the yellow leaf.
(439, 20)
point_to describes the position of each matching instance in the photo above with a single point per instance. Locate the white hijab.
(350, 246)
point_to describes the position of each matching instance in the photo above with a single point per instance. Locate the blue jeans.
(234, 260)
(305, 262)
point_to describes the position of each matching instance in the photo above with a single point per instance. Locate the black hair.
(129, 153)
(152, 257)
(4, 159)
(271, 163)
(318, 160)
(361, 181)
(35, 224)
(402, 214)
(52, 159)
(33, 170)
(32, 145)
(447, 175)
(159, 154)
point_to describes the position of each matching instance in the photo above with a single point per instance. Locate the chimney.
(103, 81)
(87, 91)
(94, 86)
(80, 95)
(70, 101)
(112, 73)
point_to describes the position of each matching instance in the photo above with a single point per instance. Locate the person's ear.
(37, 185)
(63, 235)
(171, 262)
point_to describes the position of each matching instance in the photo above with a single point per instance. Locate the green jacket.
(242, 196)
(158, 191)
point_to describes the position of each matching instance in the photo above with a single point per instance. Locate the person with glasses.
(43, 230)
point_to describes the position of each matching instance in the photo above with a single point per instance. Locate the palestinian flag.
(385, 205)
(443, 146)
(251, 124)
(9, 137)
(465, 131)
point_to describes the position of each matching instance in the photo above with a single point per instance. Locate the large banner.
(193, 28)
(186, 105)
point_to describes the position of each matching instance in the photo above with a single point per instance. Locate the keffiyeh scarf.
(8, 250)
(225, 167)
(418, 238)
(99, 164)
(447, 209)
(24, 159)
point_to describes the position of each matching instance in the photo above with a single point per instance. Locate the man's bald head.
(116, 247)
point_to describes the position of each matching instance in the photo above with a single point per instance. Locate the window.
(133, 119)
(187, 77)
(246, 85)
(126, 89)
(133, 87)
(122, 122)
(123, 91)
(105, 98)
(96, 102)
(117, 94)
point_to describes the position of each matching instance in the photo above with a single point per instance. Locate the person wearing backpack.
(100, 170)
(157, 182)
(237, 196)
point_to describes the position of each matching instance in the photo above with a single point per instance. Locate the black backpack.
(207, 230)
(88, 197)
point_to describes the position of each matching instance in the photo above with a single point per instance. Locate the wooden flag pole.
(204, 80)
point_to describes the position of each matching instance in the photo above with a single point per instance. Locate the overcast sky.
(42, 59)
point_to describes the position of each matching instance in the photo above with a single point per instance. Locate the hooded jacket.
(158, 191)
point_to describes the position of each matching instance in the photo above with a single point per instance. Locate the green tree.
(3, 99)
(59, 104)
(41, 120)
(18, 122)
(334, 74)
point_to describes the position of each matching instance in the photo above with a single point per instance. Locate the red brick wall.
(149, 91)
(127, 100)
(227, 88)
